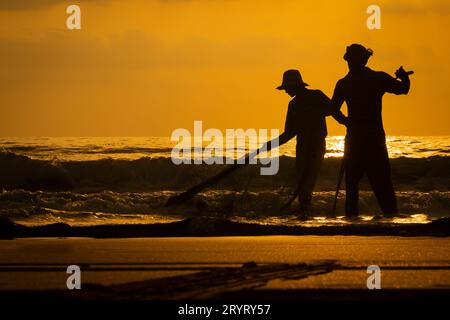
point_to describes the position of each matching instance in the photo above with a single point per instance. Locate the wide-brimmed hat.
(292, 78)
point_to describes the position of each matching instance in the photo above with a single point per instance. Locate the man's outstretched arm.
(289, 130)
(282, 139)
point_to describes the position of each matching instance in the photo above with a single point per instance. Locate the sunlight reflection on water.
(94, 148)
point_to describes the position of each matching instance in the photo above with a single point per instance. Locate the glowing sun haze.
(143, 68)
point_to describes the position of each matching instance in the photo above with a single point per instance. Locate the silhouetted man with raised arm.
(305, 119)
(362, 89)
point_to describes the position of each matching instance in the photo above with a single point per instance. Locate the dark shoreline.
(210, 227)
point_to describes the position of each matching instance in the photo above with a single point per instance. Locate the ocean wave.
(37, 149)
(151, 174)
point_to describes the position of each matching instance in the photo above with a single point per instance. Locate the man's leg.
(302, 164)
(313, 162)
(354, 170)
(379, 174)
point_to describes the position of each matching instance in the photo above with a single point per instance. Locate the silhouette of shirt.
(306, 115)
(363, 92)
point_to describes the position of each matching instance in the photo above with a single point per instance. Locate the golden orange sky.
(143, 68)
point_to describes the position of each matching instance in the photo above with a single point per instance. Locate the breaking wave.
(153, 174)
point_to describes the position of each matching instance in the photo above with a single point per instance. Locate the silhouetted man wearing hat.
(362, 90)
(306, 120)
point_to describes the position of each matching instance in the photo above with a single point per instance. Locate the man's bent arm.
(336, 103)
(337, 114)
(395, 86)
(405, 84)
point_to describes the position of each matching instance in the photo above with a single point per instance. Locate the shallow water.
(123, 180)
(262, 207)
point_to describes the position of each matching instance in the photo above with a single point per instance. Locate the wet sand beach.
(267, 267)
